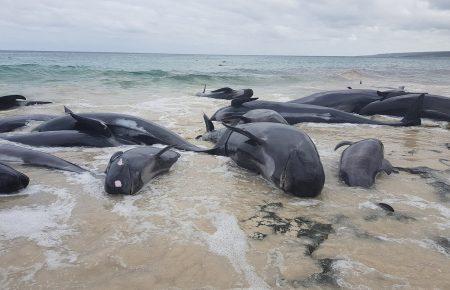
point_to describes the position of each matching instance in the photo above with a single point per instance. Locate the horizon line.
(218, 54)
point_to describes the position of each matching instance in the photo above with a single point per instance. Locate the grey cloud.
(236, 27)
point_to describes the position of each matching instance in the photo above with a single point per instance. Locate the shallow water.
(208, 223)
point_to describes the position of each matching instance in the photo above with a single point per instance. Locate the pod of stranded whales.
(256, 135)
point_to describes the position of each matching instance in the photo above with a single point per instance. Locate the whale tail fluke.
(414, 113)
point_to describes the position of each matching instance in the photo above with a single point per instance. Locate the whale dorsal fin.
(163, 150)
(349, 88)
(208, 123)
(342, 143)
(67, 110)
(90, 125)
(247, 134)
(239, 101)
(11, 98)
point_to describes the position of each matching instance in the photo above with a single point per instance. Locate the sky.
(267, 27)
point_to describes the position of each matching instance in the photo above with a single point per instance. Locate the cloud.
(321, 27)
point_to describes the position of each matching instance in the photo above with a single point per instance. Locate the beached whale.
(129, 171)
(124, 128)
(16, 154)
(13, 101)
(226, 93)
(300, 113)
(63, 138)
(8, 124)
(253, 116)
(351, 100)
(362, 161)
(281, 153)
(434, 107)
(11, 180)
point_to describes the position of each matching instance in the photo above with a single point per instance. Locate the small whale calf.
(362, 161)
(129, 171)
(11, 180)
(226, 93)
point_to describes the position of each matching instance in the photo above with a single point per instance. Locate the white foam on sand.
(347, 269)
(45, 225)
(231, 242)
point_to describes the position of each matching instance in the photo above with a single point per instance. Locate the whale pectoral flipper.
(89, 124)
(163, 150)
(342, 143)
(208, 123)
(387, 167)
(247, 134)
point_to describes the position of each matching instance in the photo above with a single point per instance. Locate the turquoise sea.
(209, 224)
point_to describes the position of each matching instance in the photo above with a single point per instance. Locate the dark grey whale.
(351, 100)
(362, 161)
(124, 128)
(281, 153)
(298, 113)
(13, 101)
(226, 93)
(16, 154)
(11, 180)
(434, 107)
(129, 171)
(63, 138)
(8, 124)
(253, 116)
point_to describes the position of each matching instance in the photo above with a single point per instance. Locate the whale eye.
(120, 162)
(117, 183)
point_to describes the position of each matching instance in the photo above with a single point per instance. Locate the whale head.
(120, 178)
(303, 174)
(11, 180)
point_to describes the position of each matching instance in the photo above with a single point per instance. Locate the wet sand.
(210, 224)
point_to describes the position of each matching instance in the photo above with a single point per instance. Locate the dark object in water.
(226, 93)
(386, 207)
(13, 101)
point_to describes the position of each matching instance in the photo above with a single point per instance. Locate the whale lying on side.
(362, 161)
(118, 128)
(13, 101)
(129, 171)
(16, 154)
(226, 94)
(8, 124)
(299, 113)
(351, 100)
(434, 107)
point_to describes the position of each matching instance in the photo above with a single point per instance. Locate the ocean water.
(198, 226)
